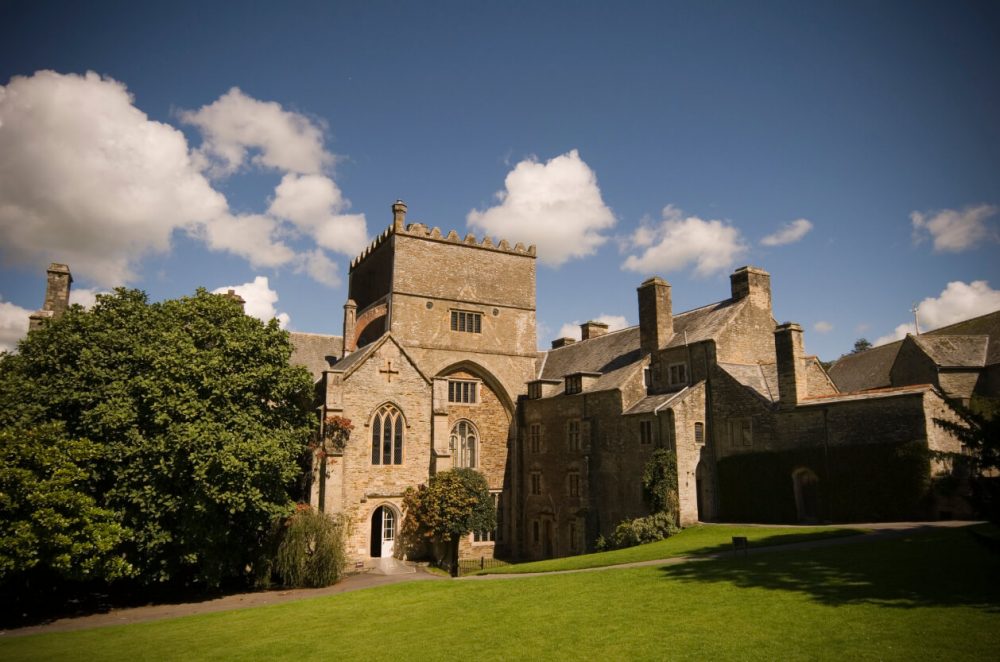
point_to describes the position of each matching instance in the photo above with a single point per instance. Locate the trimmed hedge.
(872, 482)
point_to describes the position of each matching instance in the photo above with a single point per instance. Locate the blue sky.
(625, 139)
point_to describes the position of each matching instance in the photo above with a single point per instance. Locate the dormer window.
(574, 384)
(534, 391)
(677, 374)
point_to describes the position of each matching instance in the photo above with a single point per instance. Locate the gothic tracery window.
(465, 444)
(387, 436)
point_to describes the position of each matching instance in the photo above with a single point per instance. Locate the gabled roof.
(355, 359)
(867, 369)
(316, 352)
(616, 355)
(870, 368)
(955, 351)
(762, 379)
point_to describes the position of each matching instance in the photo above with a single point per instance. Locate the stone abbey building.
(438, 368)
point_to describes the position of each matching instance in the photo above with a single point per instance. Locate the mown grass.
(705, 539)
(929, 595)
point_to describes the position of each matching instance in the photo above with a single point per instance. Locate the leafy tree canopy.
(196, 425)
(659, 482)
(860, 345)
(452, 504)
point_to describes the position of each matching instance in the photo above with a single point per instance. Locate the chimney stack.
(231, 294)
(398, 216)
(350, 313)
(592, 329)
(792, 385)
(752, 282)
(656, 320)
(562, 342)
(56, 295)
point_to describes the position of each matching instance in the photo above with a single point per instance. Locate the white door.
(388, 531)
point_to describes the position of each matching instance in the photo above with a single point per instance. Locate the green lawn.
(704, 539)
(929, 595)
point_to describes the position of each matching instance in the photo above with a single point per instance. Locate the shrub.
(641, 530)
(311, 552)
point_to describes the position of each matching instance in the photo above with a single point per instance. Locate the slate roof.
(870, 369)
(316, 352)
(616, 355)
(955, 351)
(870, 394)
(762, 379)
(653, 403)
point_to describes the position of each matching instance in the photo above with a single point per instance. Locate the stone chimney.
(792, 384)
(656, 320)
(56, 296)
(562, 342)
(754, 283)
(350, 317)
(398, 216)
(592, 329)
(231, 294)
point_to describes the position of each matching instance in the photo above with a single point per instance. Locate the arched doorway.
(383, 532)
(806, 485)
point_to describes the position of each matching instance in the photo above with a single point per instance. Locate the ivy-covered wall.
(857, 483)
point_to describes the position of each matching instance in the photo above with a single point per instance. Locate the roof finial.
(916, 322)
(398, 216)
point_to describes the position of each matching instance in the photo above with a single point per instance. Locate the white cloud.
(822, 327)
(13, 325)
(789, 233)
(87, 179)
(85, 296)
(861, 328)
(957, 302)
(260, 300)
(235, 123)
(314, 203)
(678, 241)
(572, 329)
(555, 205)
(954, 231)
(320, 268)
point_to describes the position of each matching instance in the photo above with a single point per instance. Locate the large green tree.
(452, 504)
(197, 424)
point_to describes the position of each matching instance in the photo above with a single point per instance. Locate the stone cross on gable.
(388, 370)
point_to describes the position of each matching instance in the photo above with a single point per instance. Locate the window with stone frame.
(677, 374)
(465, 444)
(463, 391)
(466, 321)
(646, 432)
(740, 432)
(574, 384)
(699, 433)
(535, 438)
(573, 434)
(387, 436)
(536, 483)
(573, 481)
(534, 391)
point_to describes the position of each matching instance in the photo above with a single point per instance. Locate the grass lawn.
(930, 595)
(703, 539)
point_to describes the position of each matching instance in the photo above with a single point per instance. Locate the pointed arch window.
(465, 444)
(387, 436)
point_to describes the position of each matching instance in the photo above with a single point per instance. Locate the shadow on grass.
(775, 540)
(936, 568)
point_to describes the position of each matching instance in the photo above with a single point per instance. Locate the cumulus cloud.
(235, 125)
(320, 268)
(260, 300)
(678, 241)
(954, 231)
(86, 178)
(572, 329)
(958, 301)
(789, 233)
(822, 326)
(555, 205)
(13, 325)
(314, 203)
